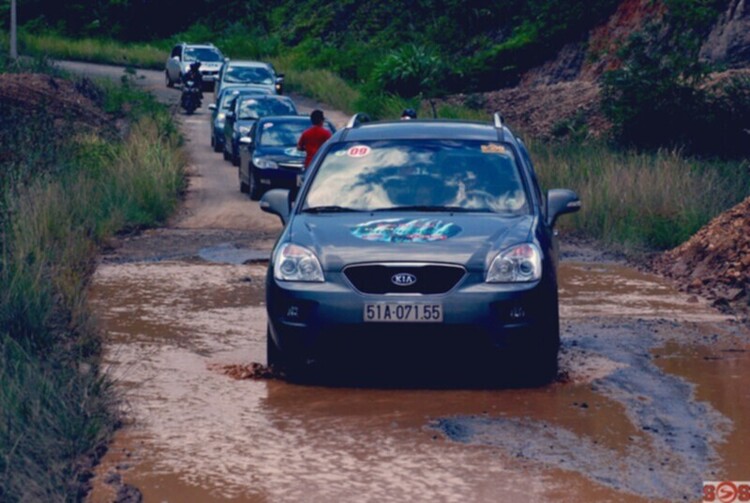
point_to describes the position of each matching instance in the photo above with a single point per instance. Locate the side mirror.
(212, 106)
(176, 58)
(560, 202)
(230, 115)
(276, 202)
(247, 142)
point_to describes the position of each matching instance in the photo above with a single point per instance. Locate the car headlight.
(264, 163)
(297, 263)
(518, 264)
(221, 116)
(244, 129)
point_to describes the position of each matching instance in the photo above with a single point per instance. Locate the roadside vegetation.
(679, 150)
(64, 190)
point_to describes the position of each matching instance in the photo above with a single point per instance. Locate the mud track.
(651, 399)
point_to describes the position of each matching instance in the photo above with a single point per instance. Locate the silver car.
(183, 55)
(249, 73)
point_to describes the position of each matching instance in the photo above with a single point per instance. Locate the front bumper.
(278, 178)
(321, 319)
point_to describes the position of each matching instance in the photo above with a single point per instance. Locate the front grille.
(430, 278)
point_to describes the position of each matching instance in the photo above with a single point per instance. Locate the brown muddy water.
(652, 400)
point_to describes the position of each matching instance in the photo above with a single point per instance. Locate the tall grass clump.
(56, 407)
(95, 50)
(640, 200)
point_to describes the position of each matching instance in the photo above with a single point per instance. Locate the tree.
(13, 31)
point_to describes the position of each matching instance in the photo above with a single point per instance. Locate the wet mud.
(645, 408)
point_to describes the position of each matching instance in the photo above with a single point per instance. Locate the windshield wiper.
(328, 209)
(416, 207)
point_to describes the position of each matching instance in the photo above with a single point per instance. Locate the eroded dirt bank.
(651, 399)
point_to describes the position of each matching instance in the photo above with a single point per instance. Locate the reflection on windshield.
(198, 54)
(248, 75)
(254, 108)
(425, 174)
(284, 134)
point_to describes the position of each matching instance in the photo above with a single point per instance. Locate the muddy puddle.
(652, 400)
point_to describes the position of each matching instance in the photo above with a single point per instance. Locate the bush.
(659, 96)
(55, 405)
(411, 71)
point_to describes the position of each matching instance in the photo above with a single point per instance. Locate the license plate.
(403, 312)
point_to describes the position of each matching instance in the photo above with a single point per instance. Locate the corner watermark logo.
(727, 491)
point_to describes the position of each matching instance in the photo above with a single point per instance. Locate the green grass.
(94, 50)
(640, 201)
(631, 200)
(55, 406)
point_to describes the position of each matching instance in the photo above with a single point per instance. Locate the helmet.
(408, 113)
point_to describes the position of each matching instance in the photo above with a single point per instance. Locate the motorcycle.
(191, 96)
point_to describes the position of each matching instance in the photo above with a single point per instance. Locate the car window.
(248, 75)
(252, 108)
(284, 133)
(386, 175)
(226, 100)
(204, 54)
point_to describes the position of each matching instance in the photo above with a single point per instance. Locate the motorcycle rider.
(408, 114)
(193, 74)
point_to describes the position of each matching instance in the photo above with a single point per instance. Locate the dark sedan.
(268, 154)
(244, 111)
(413, 236)
(222, 105)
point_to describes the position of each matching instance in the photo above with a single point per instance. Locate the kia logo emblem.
(403, 279)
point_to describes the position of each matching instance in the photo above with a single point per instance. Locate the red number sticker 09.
(358, 151)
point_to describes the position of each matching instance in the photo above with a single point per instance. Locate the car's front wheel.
(254, 187)
(291, 366)
(536, 364)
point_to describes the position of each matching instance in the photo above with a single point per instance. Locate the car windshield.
(202, 54)
(283, 133)
(226, 100)
(419, 175)
(252, 108)
(248, 75)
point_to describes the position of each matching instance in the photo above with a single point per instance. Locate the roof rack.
(357, 120)
(498, 120)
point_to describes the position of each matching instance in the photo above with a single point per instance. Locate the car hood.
(211, 67)
(285, 155)
(261, 88)
(471, 240)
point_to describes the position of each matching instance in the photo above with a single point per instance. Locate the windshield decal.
(493, 148)
(268, 125)
(358, 151)
(406, 230)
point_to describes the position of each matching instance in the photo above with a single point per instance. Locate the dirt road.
(651, 401)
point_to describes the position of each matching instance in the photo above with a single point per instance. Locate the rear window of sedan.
(419, 174)
(252, 108)
(202, 54)
(248, 75)
(284, 133)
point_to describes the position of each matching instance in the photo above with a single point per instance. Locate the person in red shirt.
(314, 136)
